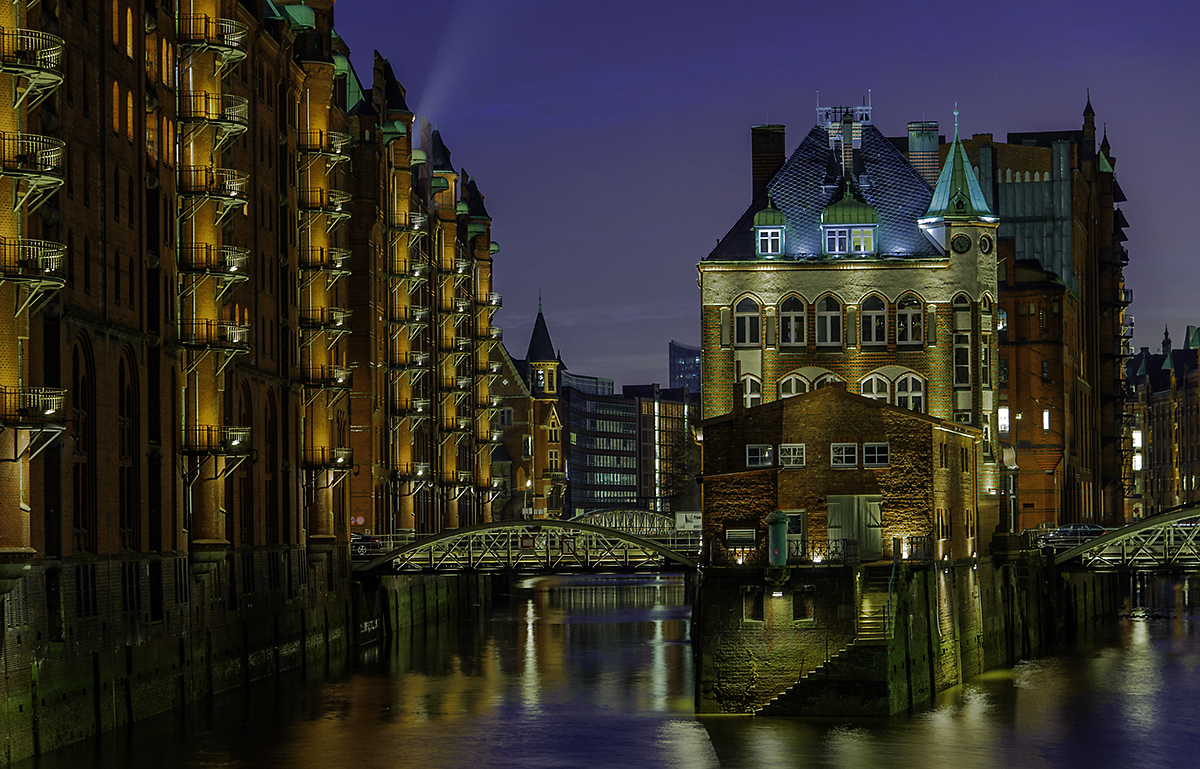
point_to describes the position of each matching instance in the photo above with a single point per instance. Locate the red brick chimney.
(766, 153)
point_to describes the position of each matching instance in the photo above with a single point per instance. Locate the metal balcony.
(325, 319)
(226, 37)
(458, 344)
(456, 306)
(37, 57)
(490, 334)
(317, 201)
(332, 260)
(221, 261)
(331, 145)
(214, 440)
(492, 436)
(328, 458)
(34, 160)
(326, 378)
(462, 267)
(410, 361)
(225, 186)
(409, 316)
(457, 383)
(458, 478)
(494, 301)
(32, 261)
(459, 424)
(228, 113)
(416, 272)
(412, 471)
(492, 403)
(418, 408)
(491, 368)
(32, 408)
(224, 335)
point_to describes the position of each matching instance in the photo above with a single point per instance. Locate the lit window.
(874, 321)
(875, 387)
(875, 455)
(985, 360)
(792, 385)
(862, 240)
(758, 455)
(791, 455)
(909, 320)
(1002, 420)
(1137, 439)
(829, 322)
(962, 360)
(751, 391)
(1045, 420)
(747, 328)
(843, 455)
(770, 241)
(1002, 324)
(837, 241)
(910, 393)
(1137, 462)
(792, 322)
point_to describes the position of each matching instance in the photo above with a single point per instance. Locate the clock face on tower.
(985, 244)
(961, 244)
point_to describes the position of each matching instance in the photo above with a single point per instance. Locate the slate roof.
(439, 154)
(811, 179)
(541, 349)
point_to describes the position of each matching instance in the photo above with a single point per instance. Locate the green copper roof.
(769, 216)
(300, 17)
(393, 129)
(957, 195)
(1105, 166)
(849, 210)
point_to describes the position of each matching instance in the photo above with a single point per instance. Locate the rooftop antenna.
(956, 119)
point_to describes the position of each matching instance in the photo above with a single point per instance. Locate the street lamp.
(525, 512)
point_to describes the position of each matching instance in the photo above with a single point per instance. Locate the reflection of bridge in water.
(547, 545)
(1166, 542)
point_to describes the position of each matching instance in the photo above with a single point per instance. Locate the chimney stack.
(766, 152)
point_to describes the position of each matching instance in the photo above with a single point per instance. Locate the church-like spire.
(541, 349)
(957, 196)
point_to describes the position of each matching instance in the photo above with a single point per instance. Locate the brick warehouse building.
(848, 266)
(253, 311)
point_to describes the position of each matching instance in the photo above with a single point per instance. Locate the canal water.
(598, 672)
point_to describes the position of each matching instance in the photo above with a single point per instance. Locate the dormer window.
(849, 240)
(770, 241)
(837, 241)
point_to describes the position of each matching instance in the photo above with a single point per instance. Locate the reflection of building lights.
(777, 594)
(818, 558)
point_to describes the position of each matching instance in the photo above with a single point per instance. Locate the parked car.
(1070, 535)
(364, 544)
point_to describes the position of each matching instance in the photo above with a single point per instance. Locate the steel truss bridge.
(1166, 542)
(541, 545)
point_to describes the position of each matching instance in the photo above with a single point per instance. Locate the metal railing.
(328, 457)
(410, 270)
(460, 383)
(324, 200)
(217, 334)
(216, 440)
(412, 407)
(30, 258)
(214, 107)
(34, 405)
(324, 258)
(32, 155)
(323, 142)
(493, 300)
(327, 377)
(410, 360)
(333, 318)
(22, 49)
(205, 31)
(412, 471)
(213, 182)
(409, 316)
(213, 259)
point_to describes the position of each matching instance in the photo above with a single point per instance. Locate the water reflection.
(598, 672)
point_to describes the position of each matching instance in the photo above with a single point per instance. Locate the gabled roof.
(541, 349)
(393, 92)
(957, 195)
(475, 201)
(811, 180)
(439, 155)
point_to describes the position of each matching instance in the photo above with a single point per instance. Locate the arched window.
(116, 108)
(874, 321)
(875, 387)
(129, 32)
(910, 393)
(909, 317)
(962, 302)
(792, 385)
(751, 391)
(829, 322)
(1002, 324)
(792, 326)
(747, 324)
(129, 115)
(116, 24)
(825, 381)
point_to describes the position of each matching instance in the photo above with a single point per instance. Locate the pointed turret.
(541, 349)
(957, 197)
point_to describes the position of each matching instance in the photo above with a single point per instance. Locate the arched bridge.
(1167, 541)
(544, 545)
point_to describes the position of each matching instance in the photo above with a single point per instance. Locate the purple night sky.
(612, 140)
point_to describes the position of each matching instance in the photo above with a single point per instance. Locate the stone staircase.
(872, 614)
(819, 670)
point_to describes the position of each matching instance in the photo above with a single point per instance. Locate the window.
(747, 331)
(1002, 418)
(876, 388)
(770, 241)
(116, 108)
(129, 115)
(553, 460)
(1137, 462)
(875, 455)
(129, 32)
(554, 435)
(791, 322)
(1003, 372)
(1045, 371)
(792, 385)
(874, 321)
(910, 393)
(825, 381)
(962, 360)
(829, 322)
(527, 446)
(837, 241)
(1045, 420)
(909, 320)
(758, 455)
(1002, 325)
(843, 455)
(751, 391)
(985, 360)
(505, 418)
(862, 240)
(791, 455)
